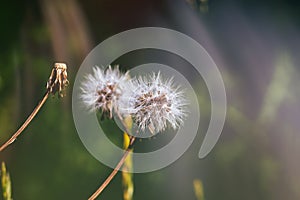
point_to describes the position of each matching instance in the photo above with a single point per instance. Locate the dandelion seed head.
(101, 89)
(154, 103)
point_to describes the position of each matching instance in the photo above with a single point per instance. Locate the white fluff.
(153, 103)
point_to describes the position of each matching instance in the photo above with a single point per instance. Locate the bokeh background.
(256, 46)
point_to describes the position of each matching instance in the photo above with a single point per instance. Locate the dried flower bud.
(58, 79)
(102, 89)
(154, 103)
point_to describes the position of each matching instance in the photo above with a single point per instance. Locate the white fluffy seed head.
(102, 89)
(153, 103)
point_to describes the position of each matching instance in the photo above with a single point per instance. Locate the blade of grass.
(127, 182)
(6, 183)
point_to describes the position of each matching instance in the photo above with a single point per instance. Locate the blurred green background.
(256, 46)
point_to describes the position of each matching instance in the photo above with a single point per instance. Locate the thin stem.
(123, 123)
(25, 124)
(114, 172)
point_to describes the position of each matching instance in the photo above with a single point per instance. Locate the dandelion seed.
(154, 103)
(102, 89)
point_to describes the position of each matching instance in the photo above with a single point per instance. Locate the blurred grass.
(256, 157)
(6, 183)
(127, 178)
(198, 188)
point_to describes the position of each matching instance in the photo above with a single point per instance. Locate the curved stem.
(25, 124)
(114, 172)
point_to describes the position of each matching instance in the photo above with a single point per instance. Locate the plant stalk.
(114, 172)
(26, 123)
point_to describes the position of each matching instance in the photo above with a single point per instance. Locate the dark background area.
(256, 46)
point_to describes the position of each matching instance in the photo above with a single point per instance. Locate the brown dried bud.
(58, 79)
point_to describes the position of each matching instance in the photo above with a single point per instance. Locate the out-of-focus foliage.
(127, 178)
(198, 187)
(279, 88)
(6, 183)
(255, 44)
